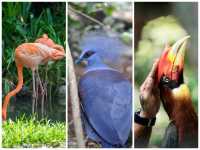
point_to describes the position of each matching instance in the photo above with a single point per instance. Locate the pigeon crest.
(107, 45)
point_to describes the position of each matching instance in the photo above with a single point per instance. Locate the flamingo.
(31, 55)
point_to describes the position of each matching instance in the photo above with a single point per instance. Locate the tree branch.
(73, 93)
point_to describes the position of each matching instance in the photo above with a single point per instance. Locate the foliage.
(24, 22)
(102, 12)
(92, 8)
(154, 29)
(28, 132)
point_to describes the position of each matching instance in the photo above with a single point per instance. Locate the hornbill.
(176, 98)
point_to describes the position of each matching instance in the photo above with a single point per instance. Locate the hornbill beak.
(171, 64)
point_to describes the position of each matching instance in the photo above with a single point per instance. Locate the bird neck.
(186, 121)
(13, 92)
(178, 105)
(96, 62)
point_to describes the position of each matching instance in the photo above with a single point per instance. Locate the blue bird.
(106, 97)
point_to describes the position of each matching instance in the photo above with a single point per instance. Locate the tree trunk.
(73, 93)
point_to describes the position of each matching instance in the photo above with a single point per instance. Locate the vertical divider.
(133, 77)
(1, 75)
(66, 73)
(198, 74)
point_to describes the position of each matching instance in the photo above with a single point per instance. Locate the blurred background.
(157, 24)
(111, 18)
(25, 22)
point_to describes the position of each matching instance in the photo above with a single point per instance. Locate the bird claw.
(92, 144)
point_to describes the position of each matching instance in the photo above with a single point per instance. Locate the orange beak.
(171, 64)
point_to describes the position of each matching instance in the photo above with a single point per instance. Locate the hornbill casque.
(176, 98)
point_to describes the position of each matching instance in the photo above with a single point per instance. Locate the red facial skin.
(168, 67)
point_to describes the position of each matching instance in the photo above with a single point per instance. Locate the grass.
(33, 133)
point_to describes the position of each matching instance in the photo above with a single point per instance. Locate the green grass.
(33, 133)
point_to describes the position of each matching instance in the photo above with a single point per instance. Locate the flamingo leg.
(42, 92)
(34, 92)
(45, 85)
(36, 103)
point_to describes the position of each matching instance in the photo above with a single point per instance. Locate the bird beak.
(57, 55)
(178, 50)
(60, 54)
(80, 59)
(171, 62)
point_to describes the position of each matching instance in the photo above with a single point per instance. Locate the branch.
(73, 93)
(86, 16)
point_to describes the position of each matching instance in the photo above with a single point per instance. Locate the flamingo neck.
(13, 92)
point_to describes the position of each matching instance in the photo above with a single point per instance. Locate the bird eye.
(166, 82)
(166, 79)
(88, 54)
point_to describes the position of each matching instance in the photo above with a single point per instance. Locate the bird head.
(106, 45)
(58, 52)
(173, 91)
(85, 55)
(171, 64)
(57, 55)
(175, 94)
